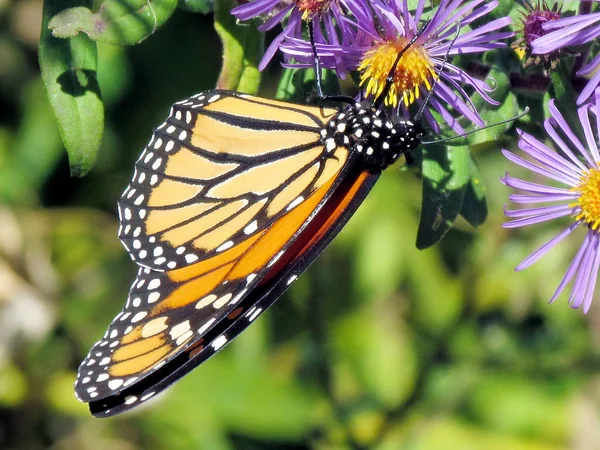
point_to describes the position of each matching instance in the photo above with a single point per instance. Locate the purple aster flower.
(325, 14)
(575, 166)
(385, 30)
(534, 16)
(572, 31)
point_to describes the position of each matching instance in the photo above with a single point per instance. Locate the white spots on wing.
(154, 283)
(251, 228)
(130, 399)
(141, 177)
(206, 301)
(153, 179)
(169, 146)
(189, 258)
(183, 135)
(137, 231)
(86, 380)
(171, 264)
(139, 316)
(206, 326)
(147, 396)
(155, 326)
(139, 200)
(142, 213)
(180, 250)
(291, 279)
(102, 377)
(156, 164)
(128, 330)
(255, 314)
(341, 127)
(148, 157)
(330, 145)
(224, 246)
(370, 151)
(127, 213)
(378, 123)
(295, 203)
(188, 117)
(219, 342)
(214, 98)
(179, 329)
(249, 278)
(152, 297)
(137, 244)
(184, 337)
(385, 146)
(222, 301)
(137, 302)
(178, 115)
(114, 334)
(171, 128)
(115, 383)
(157, 251)
(104, 361)
(238, 297)
(157, 145)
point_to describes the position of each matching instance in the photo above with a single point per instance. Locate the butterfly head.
(372, 133)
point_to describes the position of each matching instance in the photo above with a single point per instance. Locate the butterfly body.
(232, 199)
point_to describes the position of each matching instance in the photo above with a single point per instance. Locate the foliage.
(379, 345)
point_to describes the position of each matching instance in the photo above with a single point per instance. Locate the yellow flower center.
(589, 199)
(414, 70)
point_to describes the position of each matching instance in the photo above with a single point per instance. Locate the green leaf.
(446, 174)
(243, 47)
(68, 69)
(565, 95)
(298, 85)
(474, 208)
(121, 22)
(493, 114)
(198, 6)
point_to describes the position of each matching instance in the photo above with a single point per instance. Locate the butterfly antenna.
(316, 61)
(317, 68)
(512, 119)
(421, 110)
(389, 80)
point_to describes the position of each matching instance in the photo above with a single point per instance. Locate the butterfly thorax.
(371, 133)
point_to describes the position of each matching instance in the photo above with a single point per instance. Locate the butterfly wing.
(220, 169)
(169, 311)
(332, 214)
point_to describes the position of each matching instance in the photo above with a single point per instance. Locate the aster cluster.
(354, 35)
(367, 36)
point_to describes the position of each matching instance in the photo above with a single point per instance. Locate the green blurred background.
(378, 345)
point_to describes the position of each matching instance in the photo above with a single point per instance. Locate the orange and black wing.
(134, 374)
(175, 311)
(219, 170)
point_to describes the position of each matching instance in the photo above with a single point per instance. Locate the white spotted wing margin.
(311, 241)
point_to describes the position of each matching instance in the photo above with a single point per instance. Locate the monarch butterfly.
(230, 201)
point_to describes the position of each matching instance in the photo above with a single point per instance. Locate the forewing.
(312, 240)
(219, 170)
(169, 312)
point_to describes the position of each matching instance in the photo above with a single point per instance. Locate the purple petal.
(535, 256)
